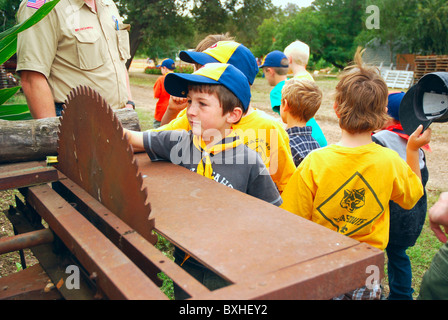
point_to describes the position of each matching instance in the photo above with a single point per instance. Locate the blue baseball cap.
(176, 84)
(393, 104)
(229, 52)
(168, 63)
(275, 59)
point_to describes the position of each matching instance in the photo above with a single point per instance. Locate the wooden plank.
(116, 275)
(30, 140)
(398, 79)
(232, 233)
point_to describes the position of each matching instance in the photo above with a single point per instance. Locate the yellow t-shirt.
(261, 133)
(304, 76)
(348, 190)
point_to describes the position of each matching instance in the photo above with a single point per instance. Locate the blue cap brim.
(196, 57)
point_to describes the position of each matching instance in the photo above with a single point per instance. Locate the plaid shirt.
(301, 142)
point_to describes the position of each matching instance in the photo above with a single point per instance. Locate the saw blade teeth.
(99, 119)
(117, 123)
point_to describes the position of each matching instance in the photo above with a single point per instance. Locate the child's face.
(204, 114)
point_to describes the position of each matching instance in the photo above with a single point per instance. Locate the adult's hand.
(438, 217)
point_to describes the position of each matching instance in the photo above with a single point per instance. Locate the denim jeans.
(399, 273)
(58, 107)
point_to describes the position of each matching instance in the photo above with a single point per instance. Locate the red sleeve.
(158, 87)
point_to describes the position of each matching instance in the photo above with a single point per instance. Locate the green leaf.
(13, 112)
(8, 38)
(7, 93)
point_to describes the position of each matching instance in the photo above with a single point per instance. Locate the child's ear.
(284, 105)
(335, 108)
(235, 115)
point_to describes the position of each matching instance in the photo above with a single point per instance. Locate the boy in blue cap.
(218, 95)
(405, 225)
(275, 67)
(259, 131)
(167, 66)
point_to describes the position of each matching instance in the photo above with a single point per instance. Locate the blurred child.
(167, 66)
(347, 186)
(300, 101)
(298, 54)
(275, 68)
(405, 225)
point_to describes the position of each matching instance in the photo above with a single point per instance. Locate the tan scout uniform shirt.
(75, 46)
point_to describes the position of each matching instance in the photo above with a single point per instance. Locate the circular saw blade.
(93, 153)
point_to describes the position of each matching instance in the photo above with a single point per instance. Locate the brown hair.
(304, 98)
(361, 97)
(227, 100)
(211, 39)
(208, 41)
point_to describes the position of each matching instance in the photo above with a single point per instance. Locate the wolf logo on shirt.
(353, 199)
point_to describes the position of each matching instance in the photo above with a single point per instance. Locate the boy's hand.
(418, 139)
(438, 216)
(177, 104)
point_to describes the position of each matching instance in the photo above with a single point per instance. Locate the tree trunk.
(31, 140)
(135, 37)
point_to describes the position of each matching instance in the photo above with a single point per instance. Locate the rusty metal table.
(264, 251)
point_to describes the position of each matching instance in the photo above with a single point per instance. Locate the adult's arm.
(38, 94)
(128, 86)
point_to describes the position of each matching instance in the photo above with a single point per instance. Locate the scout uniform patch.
(36, 4)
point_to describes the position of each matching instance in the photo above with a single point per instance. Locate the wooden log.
(31, 140)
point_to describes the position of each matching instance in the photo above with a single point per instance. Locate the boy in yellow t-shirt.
(347, 186)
